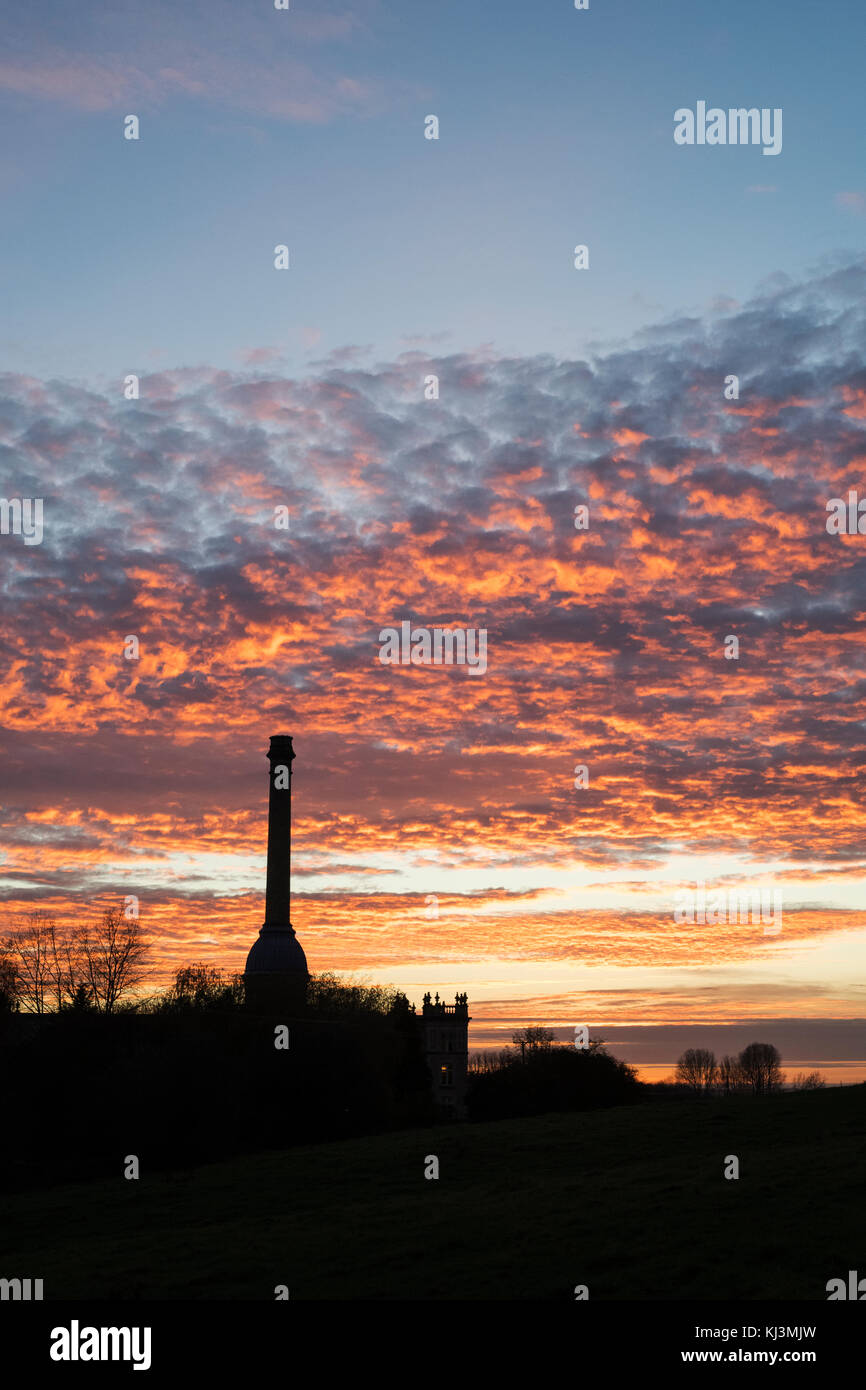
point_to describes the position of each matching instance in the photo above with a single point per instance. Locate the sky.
(439, 839)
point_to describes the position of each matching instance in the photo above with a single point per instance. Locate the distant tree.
(202, 986)
(533, 1038)
(81, 1001)
(330, 996)
(697, 1068)
(730, 1075)
(109, 958)
(549, 1077)
(811, 1081)
(761, 1068)
(480, 1063)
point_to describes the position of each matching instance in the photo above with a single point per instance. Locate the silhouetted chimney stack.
(276, 972)
(279, 880)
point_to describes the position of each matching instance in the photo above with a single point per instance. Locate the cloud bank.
(605, 646)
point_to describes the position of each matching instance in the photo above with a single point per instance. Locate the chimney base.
(276, 974)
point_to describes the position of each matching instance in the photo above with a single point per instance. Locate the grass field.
(631, 1202)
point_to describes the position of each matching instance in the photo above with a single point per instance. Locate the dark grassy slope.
(630, 1201)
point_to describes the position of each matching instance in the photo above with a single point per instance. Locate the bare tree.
(110, 958)
(697, 1068)
(730, 1076)
(761, 1068)
(36, 951)
(64, 968)
(533, 1038)
(481, 1062)
(811, 1081)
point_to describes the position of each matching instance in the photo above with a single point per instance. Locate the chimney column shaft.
(277, 892)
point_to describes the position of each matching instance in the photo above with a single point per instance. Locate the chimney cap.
(281, 746)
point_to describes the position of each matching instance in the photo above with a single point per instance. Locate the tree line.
(536, 1074)
(187, 1074)
(757, 1069)
(97, 967)
(49, 969)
